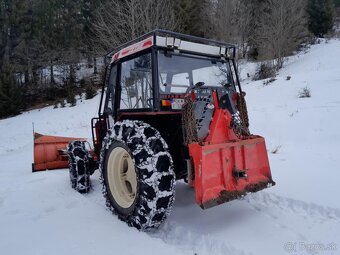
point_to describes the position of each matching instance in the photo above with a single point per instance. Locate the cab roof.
(164, 39)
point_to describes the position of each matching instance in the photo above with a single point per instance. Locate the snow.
(41, 214)
(307, 129)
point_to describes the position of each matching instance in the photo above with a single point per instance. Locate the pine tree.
(321, 16)
(11, 42)
(10, 93)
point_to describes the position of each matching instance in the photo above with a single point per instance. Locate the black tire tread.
(156, 177)
(79, 166)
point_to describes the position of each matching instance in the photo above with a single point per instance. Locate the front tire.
(79, 166)
(137, 174)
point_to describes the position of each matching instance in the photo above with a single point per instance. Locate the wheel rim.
(122, 177)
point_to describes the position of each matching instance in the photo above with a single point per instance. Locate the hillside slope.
(306, 130)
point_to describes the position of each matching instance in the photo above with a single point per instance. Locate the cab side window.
(110, 90)
(136, 83)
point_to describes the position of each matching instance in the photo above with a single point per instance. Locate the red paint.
(221, 153)
(163, 96)
(147, 44)
(134, 48)
(115, 57)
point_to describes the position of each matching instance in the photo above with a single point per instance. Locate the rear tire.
(79, 166)
(151, 194)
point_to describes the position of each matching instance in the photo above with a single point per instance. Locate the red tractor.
(171, 108)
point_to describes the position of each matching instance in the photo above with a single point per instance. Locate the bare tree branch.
(120, 21)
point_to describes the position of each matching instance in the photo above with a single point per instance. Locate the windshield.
(178, 72)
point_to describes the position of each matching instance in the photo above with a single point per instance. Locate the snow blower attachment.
(171, 108)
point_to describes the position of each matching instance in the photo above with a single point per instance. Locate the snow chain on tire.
(79, 166)
(154, 169)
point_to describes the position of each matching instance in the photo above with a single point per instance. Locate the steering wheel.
(197, 85)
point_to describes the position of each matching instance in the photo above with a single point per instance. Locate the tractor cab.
(155, 72)
(148, 79)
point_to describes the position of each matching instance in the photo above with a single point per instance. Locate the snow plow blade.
(50, 152)
(227, 171)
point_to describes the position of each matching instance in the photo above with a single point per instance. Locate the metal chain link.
(189, 122)
(240, 120)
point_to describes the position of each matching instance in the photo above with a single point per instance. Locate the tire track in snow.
(193, 243)
(313, 217)
(271, 205)
(270, 200)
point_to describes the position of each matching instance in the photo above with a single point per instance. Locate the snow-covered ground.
(41, 214)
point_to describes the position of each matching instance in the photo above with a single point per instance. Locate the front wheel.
(137, 174)
(79, 166)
